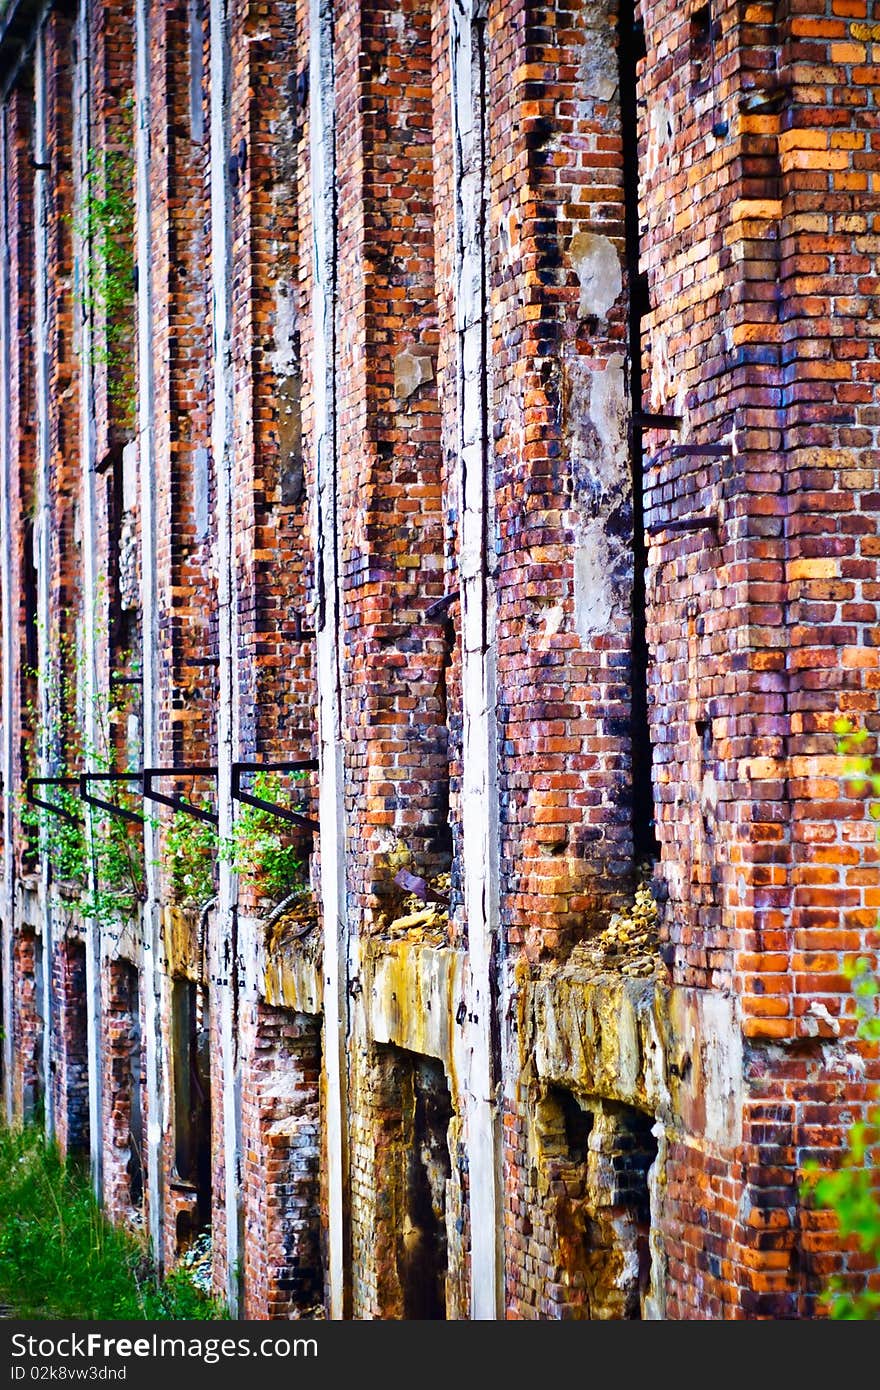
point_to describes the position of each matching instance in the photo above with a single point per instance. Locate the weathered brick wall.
(22, 425)
(61, 448)
(561, 471)
(275, 699)
(396, 784)
(123, 1093)
(69, 1061)
(760, 894)
(704, 206)
(28, 1079)
(281, 1124)
(184, 522)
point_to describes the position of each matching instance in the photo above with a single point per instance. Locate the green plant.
(191, 846)
(106, 866)
(852, 1191)
(105, 226)
(260, 848)
(61, 1258)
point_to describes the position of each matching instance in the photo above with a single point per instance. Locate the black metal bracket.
(440, 605)
(300, 633)
(710, 521)
(282, 812)
(58, 811)
(122, 811)
(179, 803)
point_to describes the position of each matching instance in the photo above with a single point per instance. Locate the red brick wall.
(69, 1062)
(62, 446)
(29, 1082)
(22, 409)
(123, 1092)
(561, 481)
(757, 248)
(281, 1122)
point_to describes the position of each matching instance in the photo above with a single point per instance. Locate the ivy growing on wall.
(260, 848)
(105, 227)
(106, 869)
(852, 1191)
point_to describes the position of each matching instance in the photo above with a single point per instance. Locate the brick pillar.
(19, 577)
(69, 1048)
(756, 609)
(186, 615)
(22, 430)
(123, 1098)
(184, 618)
(562, 472)
(284, 1257)
(28, 1031)
(62, 383)
(397, 783)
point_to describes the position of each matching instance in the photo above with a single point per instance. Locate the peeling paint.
(412, 368)
(597, 266)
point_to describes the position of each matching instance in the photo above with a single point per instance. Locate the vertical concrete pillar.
(81, 146)
(222, 439)
(20, 444)
(151, 971)
(479, 800)
(331, 803)
(42, 528)
(7, 743)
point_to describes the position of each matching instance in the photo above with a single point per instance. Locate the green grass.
(61, 1258)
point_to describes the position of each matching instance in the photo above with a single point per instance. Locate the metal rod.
(282, 812)
(179, 803)
(49, 805)
(122, 811)
(440, 605)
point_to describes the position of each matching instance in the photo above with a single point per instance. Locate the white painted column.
(223, 447)
(152, 974)
(331, 805)
(480, 854)
(81, 147)
(9, 632)
(42, 536)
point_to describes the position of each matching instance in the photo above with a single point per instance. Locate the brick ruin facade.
(474, 405)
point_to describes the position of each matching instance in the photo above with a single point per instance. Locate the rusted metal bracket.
(178, 803)
(282, 812)
(56, 810)
(643, 420)
(122, 811)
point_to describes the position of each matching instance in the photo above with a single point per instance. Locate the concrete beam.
(42, 533)
(222, 442)
(82, 142)
(7, 742)
(152, 976)
(322, 144)
(479, 797)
